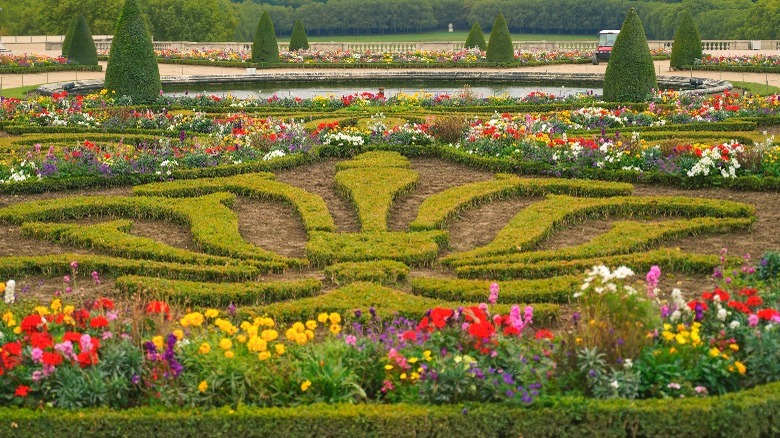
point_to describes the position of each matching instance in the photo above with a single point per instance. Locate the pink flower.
(652, 280)
(86, 343)
(493, 293)
(753, 320)
(351, 340)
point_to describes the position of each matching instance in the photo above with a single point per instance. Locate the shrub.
(500, 48)
(298, 40)
(265, 48)
(630, 75)
(82, 47)
(687, 41)
(132, 67)
(476, 38)
(66, 42)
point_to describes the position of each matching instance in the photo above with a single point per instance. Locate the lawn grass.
(756, 87)
(18, 92)
(437, 36)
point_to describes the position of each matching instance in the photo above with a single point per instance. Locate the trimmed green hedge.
(311, 207)
(537, 222)
(374, 159)
(217, 294)
(372, 186)
(752, 413)
(59, 264)
(548, 290)
(438, 208)
(380, 271)
(414, 249)
(213, 224)
(386, 301)
(666, 258)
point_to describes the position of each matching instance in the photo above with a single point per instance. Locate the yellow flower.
(714, 352)
(309, 334)
(203, 386)
(334, 318)
(229, 354)
(56, 305)
(427, 355)
(194, 319)
(279, 349)
(311, 324)
(269, 335)
(7, 318)
(42, 310)
(402, 376)
(252, 331)
(241, 338)
(263, 355)
(245, 325)
(388, 367)
(322, 317)
(301, 338)
(672, 350)
(257, 344)
(335, 329)
(158, 342)
(68, 310)
(740, 367)
(412, 360)
(225, 344)
(305, 385)
(211, 313)
(290, 334)
(734, 347)
(179, 334)
(17, 330)
(299, 327)
(204, 348)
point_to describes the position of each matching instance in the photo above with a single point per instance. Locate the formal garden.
(406, 265)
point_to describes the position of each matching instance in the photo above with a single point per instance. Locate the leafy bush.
(298, 40)
(630, 75)
(687, 42)
(82, 48)
(476, 38)
(500, 48)
(265, 48)
(132, 66)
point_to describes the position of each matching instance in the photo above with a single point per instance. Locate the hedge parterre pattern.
(410, 320)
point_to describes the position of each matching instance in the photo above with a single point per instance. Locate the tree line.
(236, 20)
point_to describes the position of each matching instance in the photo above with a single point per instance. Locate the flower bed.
(32, 63)
(754, 63)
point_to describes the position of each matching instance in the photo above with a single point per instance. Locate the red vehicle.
(606, 41)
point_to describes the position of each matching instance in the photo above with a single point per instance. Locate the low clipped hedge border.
(48, 69)
(548, 290)
(734, 68)
(414, 249)
(379, 271)
(217, 294)
(752, 413)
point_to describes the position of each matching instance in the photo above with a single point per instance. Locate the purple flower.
(136, 379)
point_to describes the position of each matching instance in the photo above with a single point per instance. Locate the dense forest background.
(236, 20)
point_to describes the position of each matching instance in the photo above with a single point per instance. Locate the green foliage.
(687, 41)
(414, 249)
(380, 271)
(630, 75)
(557, 289)
(190, 293)
(500, 47)
(298, 40)
(68, 40)
(132, 67)
(265, 48)
(372, 186)
(476, 38)
(82, 47)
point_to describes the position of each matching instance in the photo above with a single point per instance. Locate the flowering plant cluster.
(30, 60)
(755, 60)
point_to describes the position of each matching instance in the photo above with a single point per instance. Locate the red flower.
(543, 334)
(103, 303)
(768, 314)
(748, 292)
(425, 324)
(72, 337)
(52, 359)
(754, 301)
(736, 305)
(13, 348)
(22, 391)
(40, 340)
(158, 307)
(31, 323)
(86, 359)
(409, 335)
(98, 322)
(692, 305)
(482, 330)
(474, 314)
(440, 316)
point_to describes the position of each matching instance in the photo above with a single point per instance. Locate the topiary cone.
(500, 48)
(298, 40)
(82, 48)
(476, 38)
(687, 41)
(265, 48)
(132, 67)
(630, 75)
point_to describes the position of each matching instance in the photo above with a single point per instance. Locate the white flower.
(10, 287)
(675, 316)
(722, 314)
(614, 384)
(628, 363)
(734, 324)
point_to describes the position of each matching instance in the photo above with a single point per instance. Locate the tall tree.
(132, 67)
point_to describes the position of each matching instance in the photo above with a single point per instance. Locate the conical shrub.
(82, 48)
(499, 48)
(476, 38)
(687, 41)
(630, 75)
(265, 47)
(298, 40)
(66, 42)
(132, 67)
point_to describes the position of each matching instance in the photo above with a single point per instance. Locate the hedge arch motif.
(361, 263)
